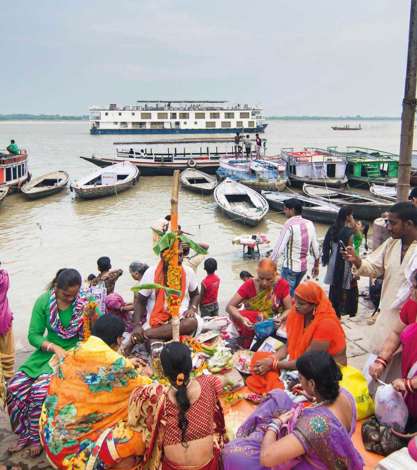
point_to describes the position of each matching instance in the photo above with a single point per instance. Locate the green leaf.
(168, 290)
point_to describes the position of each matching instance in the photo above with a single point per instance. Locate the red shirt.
(408, 313)
(281, 289)
(211, 285)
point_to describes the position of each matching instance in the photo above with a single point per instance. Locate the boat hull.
(31, 191)
(103, 191)
(298, 182)
(157, 168)
(46, 193)
(231, 130)
(359, 182)
(206, 187)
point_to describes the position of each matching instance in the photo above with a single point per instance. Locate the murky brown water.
(39, 237)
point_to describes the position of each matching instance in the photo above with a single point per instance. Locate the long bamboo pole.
(175, 320)
(409, 109)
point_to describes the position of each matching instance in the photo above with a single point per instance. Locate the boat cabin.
(316, 165)
(13, 169)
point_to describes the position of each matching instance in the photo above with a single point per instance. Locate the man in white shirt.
(295, 242)
(145, 305)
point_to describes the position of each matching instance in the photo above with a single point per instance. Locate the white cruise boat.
(176, 117)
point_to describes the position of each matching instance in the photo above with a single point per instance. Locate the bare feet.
(17, 447)
(35, 450)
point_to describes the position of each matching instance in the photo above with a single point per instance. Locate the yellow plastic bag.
(355, 383)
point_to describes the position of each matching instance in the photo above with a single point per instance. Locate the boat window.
(229, 115)
(9, 173)
(210, 124)
(123, 124)
(106, 114)
(19, 171)
(214, 115)
(184, 115)
(226, 124)
(145, 115)
(157, 125)
(133, 114)
(331, 170)
(244, 115)
(173, 115)
(115, 123)
(239, 123)
(120, 114)
(251, 124)
(139, 125)
(162, 115)
(200, 115)
(364, 170)
(15, 172)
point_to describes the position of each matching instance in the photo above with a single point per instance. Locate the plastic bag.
(390, 407)
(265, 328)
(355, 383)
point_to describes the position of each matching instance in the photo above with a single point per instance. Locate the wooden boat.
(260, 175)
(347, 127)
(241, 203)
(364, 207)
(384, 192)
(45, 185)
(315, 166)
(14, 171)
(198, 181)
(106, 182)
(313, 209)
(3, 192)
(366, 166)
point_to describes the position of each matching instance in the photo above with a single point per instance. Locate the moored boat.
(198, 181)
(315, 166)
(45, 185)
(3, 193)
(106, 182)
(364, 207)
(366, 166)
(14, 170)
(313, 209)
(241, 203)
(384, 192)
(260, 175)
(347, 127)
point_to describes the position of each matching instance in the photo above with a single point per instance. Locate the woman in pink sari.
(7, 356)
(281, 435)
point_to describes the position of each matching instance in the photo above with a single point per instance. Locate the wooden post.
(409, 109)
(175, 320)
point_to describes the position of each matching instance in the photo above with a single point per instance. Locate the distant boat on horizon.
(347, 127)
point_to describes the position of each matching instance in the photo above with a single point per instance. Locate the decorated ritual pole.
(174, 265)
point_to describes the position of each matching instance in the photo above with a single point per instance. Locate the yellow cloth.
(7, 354)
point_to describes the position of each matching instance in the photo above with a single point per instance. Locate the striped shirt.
(296, 240)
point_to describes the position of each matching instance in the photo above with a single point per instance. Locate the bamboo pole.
(175, 320)
(409, 109)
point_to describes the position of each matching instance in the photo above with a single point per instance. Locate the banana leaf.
(152, 285)
(167, 240)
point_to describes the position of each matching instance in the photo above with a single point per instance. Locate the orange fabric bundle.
(263, 383)
(160, 313)
(325, 320)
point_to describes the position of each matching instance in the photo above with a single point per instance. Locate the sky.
(293, 57)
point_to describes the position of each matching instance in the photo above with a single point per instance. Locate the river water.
(39, 237)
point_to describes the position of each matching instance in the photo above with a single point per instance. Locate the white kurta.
(386, 261)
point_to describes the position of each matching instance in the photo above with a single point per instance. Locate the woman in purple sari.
(282, 435)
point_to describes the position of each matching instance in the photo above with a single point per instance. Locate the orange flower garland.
(174, 273)
(90, 306)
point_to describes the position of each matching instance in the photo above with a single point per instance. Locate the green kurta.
(37, 363)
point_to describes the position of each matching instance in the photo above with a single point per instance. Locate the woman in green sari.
(263, 297)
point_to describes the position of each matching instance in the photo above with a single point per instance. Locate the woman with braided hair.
(183, 424)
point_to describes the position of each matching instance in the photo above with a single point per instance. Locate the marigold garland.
(174, 273)
(90, 306)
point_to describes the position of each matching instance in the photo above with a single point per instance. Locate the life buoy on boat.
(191, 163)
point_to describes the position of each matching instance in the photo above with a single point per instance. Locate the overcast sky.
(321, 57)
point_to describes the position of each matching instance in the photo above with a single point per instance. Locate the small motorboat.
(384, 192)
(241, 203)
(313, 209)
(198, 181)
(364, 207)
(45, 185)
(3, 192)
(106, 181)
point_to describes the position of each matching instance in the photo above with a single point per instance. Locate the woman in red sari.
(312, 325)
(263, 296)
(183, 425)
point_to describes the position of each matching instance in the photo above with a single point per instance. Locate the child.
(245, 275)
(209, 306)
(106, 275)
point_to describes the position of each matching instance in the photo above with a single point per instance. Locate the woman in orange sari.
(263, 296)
(83, 423)
(312, 325)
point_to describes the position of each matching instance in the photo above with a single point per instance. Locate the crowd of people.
(86, 397)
